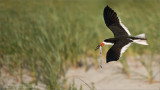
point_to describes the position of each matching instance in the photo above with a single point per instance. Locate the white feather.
(141, 36)
(124, 49)
(107, 43)
(142, 42)
(125, 28)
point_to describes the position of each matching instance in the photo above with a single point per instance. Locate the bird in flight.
(122, 37)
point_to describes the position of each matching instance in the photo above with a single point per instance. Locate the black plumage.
(113, 22)
(122, 37)
(114, 52)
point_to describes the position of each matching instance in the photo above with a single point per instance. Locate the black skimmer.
(122, 37)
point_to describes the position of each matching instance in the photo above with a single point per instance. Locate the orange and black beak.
(102, 44)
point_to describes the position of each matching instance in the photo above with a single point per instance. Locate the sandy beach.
(111, 77)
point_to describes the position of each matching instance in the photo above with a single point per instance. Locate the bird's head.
(100, 45)
(103, 44)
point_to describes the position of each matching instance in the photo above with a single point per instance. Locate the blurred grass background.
(48, 36)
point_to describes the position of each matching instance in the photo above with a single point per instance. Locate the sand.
(11, 81)
(111, 77)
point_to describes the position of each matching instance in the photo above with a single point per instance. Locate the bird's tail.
(140, 39)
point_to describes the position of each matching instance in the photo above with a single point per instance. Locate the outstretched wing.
(116, 51)
(114, 23)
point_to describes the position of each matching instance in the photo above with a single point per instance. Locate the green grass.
(47, 37)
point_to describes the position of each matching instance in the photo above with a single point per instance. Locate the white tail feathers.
(142, 39)
(141, 36)
(143, 42)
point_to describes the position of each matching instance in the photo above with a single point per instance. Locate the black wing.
(116, 51)
(113, 23)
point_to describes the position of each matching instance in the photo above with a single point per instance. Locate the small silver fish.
(100, 59)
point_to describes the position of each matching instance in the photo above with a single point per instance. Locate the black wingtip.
(107, 7)
(110, 16)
